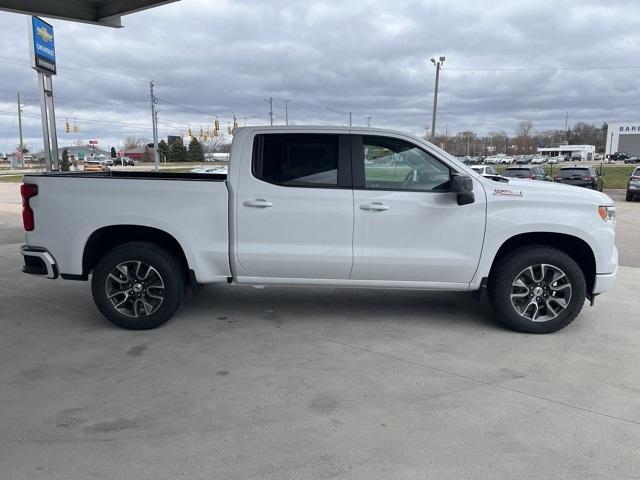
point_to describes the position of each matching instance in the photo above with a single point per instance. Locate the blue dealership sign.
(43, 49)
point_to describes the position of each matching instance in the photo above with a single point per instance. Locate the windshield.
(517, 172)
(574, 172)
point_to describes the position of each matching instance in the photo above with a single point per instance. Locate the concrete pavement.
(287, 383)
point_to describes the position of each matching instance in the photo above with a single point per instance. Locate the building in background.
(623, 137)
(574, 152)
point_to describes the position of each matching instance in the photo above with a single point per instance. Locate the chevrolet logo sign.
(44, 34)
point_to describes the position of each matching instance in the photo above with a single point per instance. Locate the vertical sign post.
(43, 60)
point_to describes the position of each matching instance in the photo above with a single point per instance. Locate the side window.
(294, 159)
(394, 164)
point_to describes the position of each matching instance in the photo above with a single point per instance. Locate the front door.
(407, 225)
(294, 209)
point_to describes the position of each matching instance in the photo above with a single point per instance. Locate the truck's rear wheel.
(537, 289)
(138, 285)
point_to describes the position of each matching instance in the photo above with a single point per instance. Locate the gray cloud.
(367, 57)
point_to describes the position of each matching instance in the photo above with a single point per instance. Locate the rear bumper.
(38, 261)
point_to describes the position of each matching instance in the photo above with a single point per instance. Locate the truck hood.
(549, 191)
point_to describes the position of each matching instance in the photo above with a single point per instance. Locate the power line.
(542, 68)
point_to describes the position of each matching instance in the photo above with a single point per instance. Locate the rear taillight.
(28, 191)
(557, 179)
(587, 178)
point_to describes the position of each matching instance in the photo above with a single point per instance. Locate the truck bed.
(193, 208)
(137, 175)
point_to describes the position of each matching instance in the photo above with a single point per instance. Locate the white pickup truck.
(323, 206)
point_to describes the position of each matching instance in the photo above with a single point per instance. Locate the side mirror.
(463, 186)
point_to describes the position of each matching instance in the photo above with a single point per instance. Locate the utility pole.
(438, 65)
(566, 124)
(271, 111)
(21, 146)
(350, 118)
(154, 124)
(368, 121)
(286, 111)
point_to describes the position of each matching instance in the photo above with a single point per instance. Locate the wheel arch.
(106, 238)
(573, 246)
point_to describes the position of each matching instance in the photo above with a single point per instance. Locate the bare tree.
(215, 143)
(131, 142)
(525, 128)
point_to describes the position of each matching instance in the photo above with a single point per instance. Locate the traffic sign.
(93, 142)
(121, 153)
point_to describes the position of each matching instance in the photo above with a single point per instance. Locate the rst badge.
(508, 192)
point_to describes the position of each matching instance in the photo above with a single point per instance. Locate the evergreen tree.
(178, 152)
(196, 153)
(66, 164)
(113, 152)
(163, 150)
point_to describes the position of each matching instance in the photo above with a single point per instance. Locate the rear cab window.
(300, 160)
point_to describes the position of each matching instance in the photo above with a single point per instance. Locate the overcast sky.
(367, 57)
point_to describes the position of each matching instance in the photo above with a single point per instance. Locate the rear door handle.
(258, 203)
(374, 207)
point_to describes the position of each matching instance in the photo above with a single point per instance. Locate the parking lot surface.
(285, 383)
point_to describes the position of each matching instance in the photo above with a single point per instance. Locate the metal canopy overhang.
(98, 12)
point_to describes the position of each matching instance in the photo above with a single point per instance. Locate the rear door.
(407, 226)
(294, 209)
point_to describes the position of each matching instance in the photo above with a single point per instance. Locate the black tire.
(629, 197)
(163, 266)
(507, 271)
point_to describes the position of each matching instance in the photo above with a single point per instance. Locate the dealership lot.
(314, 383)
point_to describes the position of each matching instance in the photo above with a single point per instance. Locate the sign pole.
(45, 123)
(43, 60)
(55, 159)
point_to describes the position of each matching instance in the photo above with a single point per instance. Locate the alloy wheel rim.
(540, 292)
(134, 289)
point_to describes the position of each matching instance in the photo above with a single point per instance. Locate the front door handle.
(258, 203)
(374, 207)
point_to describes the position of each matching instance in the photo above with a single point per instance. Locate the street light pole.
(154, 119)
(438, 65)
(20, 130)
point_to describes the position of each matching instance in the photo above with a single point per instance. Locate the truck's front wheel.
(537, 289)
(138, 285)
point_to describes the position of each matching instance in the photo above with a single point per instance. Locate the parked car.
(506, 160)
(633, 186)
(528, 172)
(552, 160)
(523, 159)
(538, 159)
(632, 160)
(124, 161)
(300, 207)
(95, 165)
(485, 170)
(222, 170)
(587, 177)
(618, 156)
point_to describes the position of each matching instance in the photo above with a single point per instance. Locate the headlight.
(608, 214)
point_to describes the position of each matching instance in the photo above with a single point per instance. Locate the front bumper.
(38, 261)
(604, 281)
